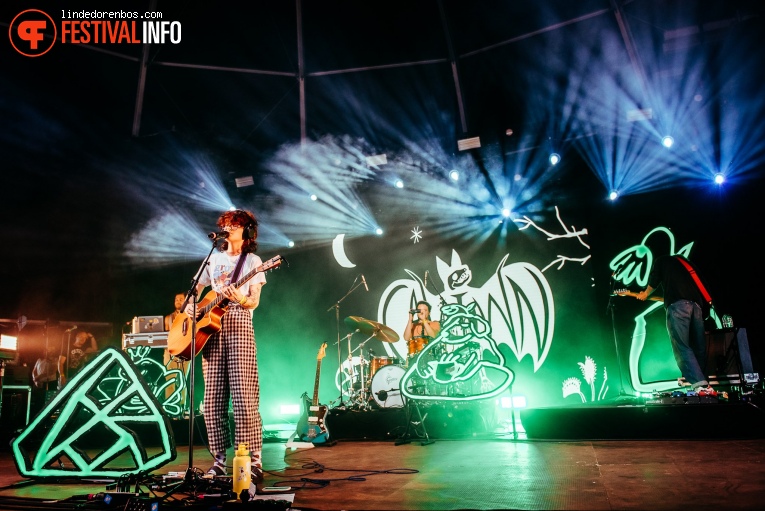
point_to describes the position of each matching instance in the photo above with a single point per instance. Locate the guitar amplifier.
(146, 324)
(158, 340)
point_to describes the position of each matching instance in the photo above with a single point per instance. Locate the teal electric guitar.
(312, 426)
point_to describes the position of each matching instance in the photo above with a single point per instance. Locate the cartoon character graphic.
(462, 363)
(156, 376)
(222, 274)
(516, 303)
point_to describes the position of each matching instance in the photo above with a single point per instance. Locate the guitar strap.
(238, 268)
(697, 280)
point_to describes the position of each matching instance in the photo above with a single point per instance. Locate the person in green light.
(686, 309)
(420, 331)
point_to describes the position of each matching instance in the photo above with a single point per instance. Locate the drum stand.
(412, 425)
(360, 398)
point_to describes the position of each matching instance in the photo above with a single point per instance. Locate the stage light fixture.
(719, 178)
(554, 158)
(515, 401)
(289, 409)
(506, 212)
(469, 143)
(232, 208)
(376, 160)
(378, 231)
(291, 244)
(241, 182)
(313, 196)
(639, 114)
(8, 347)
(399, 183)
(613, 195)
(667, 141)
(454, 175)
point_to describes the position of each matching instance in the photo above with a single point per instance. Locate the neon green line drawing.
(589, 370)
(79, 417)
(158, 378)
(462, 364)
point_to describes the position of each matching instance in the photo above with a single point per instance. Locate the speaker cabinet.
(728, 355)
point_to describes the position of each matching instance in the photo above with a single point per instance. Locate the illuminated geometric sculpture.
(84, 415)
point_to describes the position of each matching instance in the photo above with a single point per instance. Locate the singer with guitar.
(687, 303)
(229, 362)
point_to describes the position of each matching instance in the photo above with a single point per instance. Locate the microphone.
(426, 278)
(413, 311)
(71, 329)
(218, 235)
(364, 281)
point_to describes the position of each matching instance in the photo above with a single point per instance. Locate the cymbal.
(373, 328)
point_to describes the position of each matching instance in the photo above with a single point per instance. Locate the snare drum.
(378, 363)
(416, 345)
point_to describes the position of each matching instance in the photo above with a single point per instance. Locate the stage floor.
(481, 473)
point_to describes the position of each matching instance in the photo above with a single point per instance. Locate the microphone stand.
(441, 300)
(610, 310)
(191, 295)
(68, 353)
(336, 306)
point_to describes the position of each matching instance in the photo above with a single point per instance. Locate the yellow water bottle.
(242, 469)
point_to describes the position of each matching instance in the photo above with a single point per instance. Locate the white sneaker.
(217, 470)
(682, 383)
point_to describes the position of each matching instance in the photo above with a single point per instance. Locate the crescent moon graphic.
(339, 250)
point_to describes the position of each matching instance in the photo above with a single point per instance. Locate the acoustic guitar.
(209, 313)
(312, 426)
(627, 292)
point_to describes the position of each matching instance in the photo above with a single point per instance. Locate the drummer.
(420, 330)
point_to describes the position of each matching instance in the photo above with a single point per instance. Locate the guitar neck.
(316, 384)
(624, 292)
(319, 358)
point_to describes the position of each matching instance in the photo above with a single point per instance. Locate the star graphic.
(416, 234)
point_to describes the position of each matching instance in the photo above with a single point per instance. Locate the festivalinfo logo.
(34, 32)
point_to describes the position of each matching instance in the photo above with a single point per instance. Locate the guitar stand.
(407, 437)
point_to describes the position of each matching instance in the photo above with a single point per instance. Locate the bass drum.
(385, 387)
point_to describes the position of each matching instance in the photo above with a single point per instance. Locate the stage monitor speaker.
(16, 401)
(728, 355)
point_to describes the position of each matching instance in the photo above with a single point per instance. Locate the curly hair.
(241, 218)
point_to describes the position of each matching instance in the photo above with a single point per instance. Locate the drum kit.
(373, 381)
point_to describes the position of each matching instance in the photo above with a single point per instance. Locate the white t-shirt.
(218, 272)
